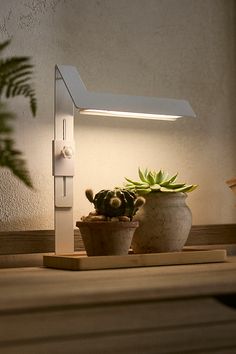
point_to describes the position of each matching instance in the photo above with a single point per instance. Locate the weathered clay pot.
(103, 238)
(164, 223)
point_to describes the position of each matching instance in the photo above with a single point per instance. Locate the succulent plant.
(117, 203)
(156, 182)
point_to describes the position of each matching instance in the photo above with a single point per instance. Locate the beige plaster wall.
(172, 48)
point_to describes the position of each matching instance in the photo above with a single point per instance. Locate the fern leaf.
(4, 44)
(5, 117)
(12, 159)
(13, 69)
(15, 79)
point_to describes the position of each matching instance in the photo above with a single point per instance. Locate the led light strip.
(128, 114)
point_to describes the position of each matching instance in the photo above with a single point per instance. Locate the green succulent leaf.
(142, 191)
(176, 185)
(165, 176)
(173, 178)
(159, 177)
(169, 181)
(155, 187)
(150, 178)
(145, 173)
(191, 188)
(142, 175)
(142, 186)
(134, 183)
(186, 188)
(129, 185)
(164, 189)
(152, 181)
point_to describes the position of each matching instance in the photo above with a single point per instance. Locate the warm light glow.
(97, 112)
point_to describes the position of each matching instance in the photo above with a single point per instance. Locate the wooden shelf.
(80, 261)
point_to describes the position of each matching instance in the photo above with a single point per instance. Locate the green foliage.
(9, 156)
(115, 203)
(153, 182)
(15, 80)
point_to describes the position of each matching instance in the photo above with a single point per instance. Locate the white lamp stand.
(71, 92)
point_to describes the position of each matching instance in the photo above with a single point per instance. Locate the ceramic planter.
(103, 238)
(164, 223)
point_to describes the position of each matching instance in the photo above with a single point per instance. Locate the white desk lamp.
(71, 92)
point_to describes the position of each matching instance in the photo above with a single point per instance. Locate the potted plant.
(110, 228)
(165, 220)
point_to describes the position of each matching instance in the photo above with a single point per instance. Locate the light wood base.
(80, 261)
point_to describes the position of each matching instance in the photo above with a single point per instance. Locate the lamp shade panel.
(107, 104)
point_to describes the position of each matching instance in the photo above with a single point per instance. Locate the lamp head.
(112, 105)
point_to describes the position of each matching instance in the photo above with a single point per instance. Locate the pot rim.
(109, 223)
(166, 194)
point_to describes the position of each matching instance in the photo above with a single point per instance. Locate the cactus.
(153, 182)
(117, 203)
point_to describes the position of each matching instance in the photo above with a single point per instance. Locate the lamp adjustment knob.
(67, 152)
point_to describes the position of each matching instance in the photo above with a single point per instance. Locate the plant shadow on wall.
(15, 80)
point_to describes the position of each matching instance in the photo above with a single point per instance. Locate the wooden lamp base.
(80, 261)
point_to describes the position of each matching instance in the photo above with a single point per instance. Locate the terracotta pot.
(164, 223)
(103, 238)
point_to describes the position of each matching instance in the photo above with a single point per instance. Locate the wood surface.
(164, 310)
(191, 324)
(79, 261)
(25, 288)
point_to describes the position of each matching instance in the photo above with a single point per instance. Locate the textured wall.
(171, 48)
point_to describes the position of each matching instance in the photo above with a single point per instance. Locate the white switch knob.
(67, 152)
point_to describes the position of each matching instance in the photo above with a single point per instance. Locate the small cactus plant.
(153, 182)
(115, 205)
